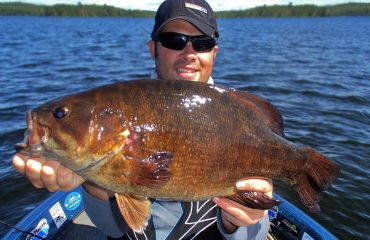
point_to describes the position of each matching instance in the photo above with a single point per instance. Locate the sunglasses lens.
(177, 41)
(173, 40)
(203, 44)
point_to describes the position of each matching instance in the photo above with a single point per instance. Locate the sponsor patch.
(273, 213)
(196, 7)
(58, 214)
(41, 230)
(72, 201)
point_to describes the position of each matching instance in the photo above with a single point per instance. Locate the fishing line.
(21, 230)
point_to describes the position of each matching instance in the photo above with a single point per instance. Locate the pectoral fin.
(135, 210)
(254, 200)
(153, 171)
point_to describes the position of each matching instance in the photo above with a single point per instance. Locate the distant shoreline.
(82, 10)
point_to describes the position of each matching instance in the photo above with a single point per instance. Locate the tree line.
(66, 10)
(307, 10)
(82, 10)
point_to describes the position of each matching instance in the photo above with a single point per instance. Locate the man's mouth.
(186, 73)
(185, 70)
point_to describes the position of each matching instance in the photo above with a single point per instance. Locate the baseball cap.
(197, 12)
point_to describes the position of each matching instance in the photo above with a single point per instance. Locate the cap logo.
(196, 7)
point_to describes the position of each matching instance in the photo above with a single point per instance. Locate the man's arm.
(258, 231)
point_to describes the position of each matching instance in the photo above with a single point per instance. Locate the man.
(184, 47)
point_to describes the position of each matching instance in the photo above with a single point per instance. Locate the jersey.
(192, 220)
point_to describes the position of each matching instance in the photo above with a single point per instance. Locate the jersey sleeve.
(258, 231)
(104, 215)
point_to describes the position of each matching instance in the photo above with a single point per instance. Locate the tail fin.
(318, 174)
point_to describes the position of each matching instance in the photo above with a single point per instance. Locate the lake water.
(315, 70)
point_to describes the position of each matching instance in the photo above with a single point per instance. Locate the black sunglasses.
(178, 41)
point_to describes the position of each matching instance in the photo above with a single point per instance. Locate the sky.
(217, 5)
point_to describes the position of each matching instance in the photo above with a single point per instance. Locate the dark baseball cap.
(197, 12)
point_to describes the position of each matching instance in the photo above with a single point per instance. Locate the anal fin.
(134, 209)
(255, 200)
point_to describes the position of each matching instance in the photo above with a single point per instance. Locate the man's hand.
(53, 176)
(234, 215)
(47, 174)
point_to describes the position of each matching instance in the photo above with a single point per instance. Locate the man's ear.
(215, 50)
(151, 45)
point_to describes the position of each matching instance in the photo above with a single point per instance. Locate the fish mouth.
(35, 136)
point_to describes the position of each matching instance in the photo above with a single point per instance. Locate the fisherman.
(184, 46)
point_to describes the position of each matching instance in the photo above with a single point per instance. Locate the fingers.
(237, 214)
(47, 174)
(19, 163)
(33, 172)
(30, 168)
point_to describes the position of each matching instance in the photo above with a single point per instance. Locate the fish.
(174, 140)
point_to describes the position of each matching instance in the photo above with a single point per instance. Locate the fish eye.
(60, 112)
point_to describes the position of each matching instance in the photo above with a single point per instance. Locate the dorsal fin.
(262, 107)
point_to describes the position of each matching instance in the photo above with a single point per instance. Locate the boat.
(290, 223)
(62, 216)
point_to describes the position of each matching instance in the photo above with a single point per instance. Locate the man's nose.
(189, 50)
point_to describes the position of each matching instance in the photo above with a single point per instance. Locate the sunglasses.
(178, 41)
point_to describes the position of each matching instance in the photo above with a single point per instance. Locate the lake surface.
(315, 70)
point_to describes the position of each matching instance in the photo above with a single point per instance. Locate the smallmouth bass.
(174, 140)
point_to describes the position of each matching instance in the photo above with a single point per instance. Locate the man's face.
(185, 64)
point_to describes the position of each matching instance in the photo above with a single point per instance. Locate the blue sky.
(216, 4)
